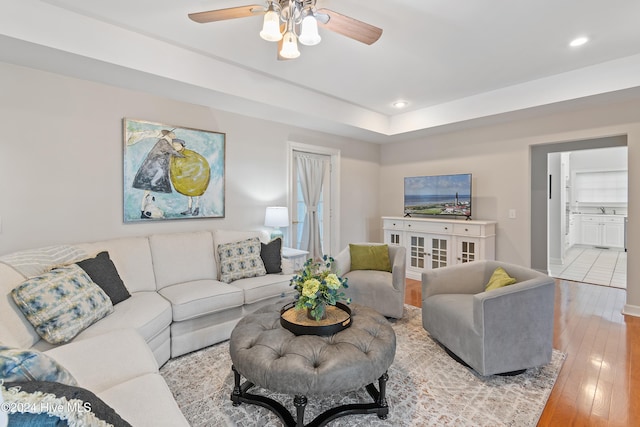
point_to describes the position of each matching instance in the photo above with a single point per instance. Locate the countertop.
(599, 214)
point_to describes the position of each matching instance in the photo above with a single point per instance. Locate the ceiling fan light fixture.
(289, 46)
(271, 26)
(309, 33)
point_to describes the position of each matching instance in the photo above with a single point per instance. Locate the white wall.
(61, 163)
(614, 158)
(499, 158)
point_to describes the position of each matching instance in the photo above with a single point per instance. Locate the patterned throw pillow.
(30, 365)
(61, 303)
(240, 259)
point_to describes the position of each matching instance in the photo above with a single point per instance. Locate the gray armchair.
(503, 330)
(380, 290)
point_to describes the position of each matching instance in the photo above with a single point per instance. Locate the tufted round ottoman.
(272, 357)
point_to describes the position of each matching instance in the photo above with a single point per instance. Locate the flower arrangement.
(318, 285)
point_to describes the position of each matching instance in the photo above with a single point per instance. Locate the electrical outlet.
(512, 213)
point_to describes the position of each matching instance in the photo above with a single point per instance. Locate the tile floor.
(606, 267)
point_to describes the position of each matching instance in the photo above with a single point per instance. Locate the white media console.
(438, 242)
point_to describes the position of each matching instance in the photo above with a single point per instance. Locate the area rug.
(425, 387)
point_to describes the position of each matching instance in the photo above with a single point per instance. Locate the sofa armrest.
(343, 261)
(398, 258)
(517, 317)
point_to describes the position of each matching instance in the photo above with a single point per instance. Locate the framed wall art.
(172, 172)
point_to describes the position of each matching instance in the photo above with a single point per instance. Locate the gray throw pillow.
(104, 274)
(271, 254)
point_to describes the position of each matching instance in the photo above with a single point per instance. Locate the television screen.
(438, 195)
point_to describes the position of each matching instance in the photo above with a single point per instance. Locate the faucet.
(602, 210)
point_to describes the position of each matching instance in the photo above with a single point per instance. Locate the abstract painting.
(172, 172)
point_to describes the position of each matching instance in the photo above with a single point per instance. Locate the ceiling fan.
(290, 21)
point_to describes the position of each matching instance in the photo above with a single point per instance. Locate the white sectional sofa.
(177, 305)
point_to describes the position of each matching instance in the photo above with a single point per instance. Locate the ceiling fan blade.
(350, 27)
(230, 13)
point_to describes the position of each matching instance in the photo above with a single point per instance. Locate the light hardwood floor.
(599, 383)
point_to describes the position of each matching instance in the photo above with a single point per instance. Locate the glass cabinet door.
(439, 252)
(417, 252)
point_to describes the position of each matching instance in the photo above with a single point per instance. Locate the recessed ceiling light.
(400, 104)
(578, 41)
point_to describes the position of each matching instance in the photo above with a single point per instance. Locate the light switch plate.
(512, 213)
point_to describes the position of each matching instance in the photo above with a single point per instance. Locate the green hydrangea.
(318, 285)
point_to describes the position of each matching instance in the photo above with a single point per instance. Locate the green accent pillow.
(370, 257)
(499, 279)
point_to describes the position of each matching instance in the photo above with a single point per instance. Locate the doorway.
(587, 208)
(540, 191)
(327, 201)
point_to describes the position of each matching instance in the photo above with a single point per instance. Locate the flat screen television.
(438, 195)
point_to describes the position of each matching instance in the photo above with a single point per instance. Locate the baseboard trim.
(631, 310)
(555, 260)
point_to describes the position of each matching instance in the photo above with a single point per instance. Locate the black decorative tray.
(296, 321)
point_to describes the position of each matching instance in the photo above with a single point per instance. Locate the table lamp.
(276, 217)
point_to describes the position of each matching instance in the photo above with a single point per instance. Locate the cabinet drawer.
(467, 229)
(614, 220)
(393, 224)
(429, 227)
(590, 218)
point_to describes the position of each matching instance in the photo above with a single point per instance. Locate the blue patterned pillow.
(240, 259)
(30, 365)
(61, 303)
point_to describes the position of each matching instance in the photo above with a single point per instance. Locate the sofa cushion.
(499, 279)
(103, 361)
(370, 257)
(200, 297)
(57, 404)
(132, 258)
(145, 400)
(240, 259)
(21, 365)
(264, 287)
(182, 257)
(146, 312)
(271, 254)
(104, 274)
(61, 303)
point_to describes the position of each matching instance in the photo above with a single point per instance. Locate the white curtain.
(311, 172)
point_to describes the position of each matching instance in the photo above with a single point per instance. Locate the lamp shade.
(309, 34)
(271, 27)
(289, 46)
(276, 216)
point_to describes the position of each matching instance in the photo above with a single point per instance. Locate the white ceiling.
(454, 61)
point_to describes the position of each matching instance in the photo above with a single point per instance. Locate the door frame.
(540, 189)
(334, 192)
